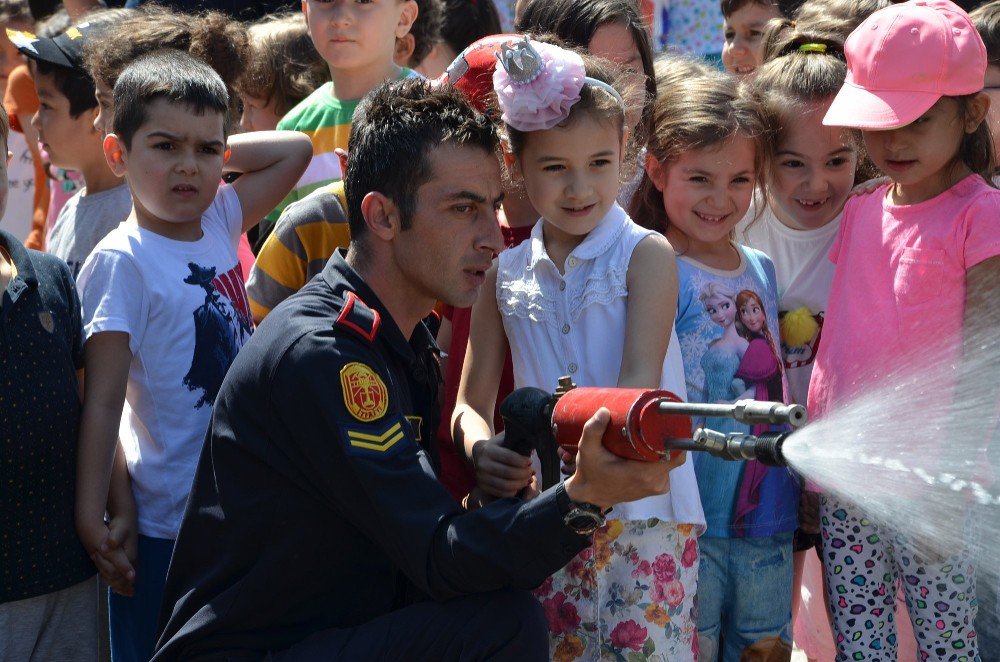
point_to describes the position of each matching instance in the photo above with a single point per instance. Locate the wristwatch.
(583, 518)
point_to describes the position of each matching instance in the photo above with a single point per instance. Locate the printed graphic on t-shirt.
(221, 326)
(730, 339)
(732, 354)
(802, 355)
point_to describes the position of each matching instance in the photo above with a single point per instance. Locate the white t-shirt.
(21, 188)
(805, 276)
(84, 220)
(185, 309)
(574, 324)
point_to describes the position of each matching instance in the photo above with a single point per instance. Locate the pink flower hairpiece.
(538, 84)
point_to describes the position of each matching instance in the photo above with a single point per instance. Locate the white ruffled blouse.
(574, 324)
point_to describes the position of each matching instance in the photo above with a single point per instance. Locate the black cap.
(66, 50)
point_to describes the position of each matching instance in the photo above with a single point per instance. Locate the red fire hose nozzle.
(645, 425)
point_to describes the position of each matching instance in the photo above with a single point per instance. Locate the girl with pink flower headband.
(591, 295)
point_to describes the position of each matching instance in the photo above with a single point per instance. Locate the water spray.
(646, 424)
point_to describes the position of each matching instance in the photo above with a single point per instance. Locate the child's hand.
(809, 512)
(107, 549)
(500, 472)
(864, 188)
(568, 462)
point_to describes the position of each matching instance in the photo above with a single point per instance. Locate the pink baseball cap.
(904, 58)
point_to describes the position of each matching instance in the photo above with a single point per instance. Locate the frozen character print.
(760, 367)
(722, 359)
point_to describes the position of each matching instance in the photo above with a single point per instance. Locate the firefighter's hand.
(604, 479)
(500, 472)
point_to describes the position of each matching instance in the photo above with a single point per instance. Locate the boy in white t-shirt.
(165, 312)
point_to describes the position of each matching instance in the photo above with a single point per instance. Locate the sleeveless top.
(574, 324)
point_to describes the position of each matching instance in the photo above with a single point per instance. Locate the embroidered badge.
(377, 442)
(49, 324)
(365, 394)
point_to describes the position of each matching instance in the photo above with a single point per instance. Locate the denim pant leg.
(134, 620)
(713, 587)
(760, 615)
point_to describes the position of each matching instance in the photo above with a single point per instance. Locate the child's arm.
(499, 471)
(271, 163)
(649, 316)
(106, 362)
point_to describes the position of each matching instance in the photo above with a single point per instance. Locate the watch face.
(584, 522)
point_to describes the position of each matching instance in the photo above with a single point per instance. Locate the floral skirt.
(629, 596)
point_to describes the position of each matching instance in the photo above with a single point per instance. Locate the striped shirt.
(306, 235)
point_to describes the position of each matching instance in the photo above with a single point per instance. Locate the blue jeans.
(744, 595)
(134, 620)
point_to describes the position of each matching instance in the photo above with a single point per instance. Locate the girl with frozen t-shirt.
(589, 295)
(703, 165)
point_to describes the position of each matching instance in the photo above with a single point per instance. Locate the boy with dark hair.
(317, 529)
(65, 124)
(358, 43)
(413, 47)
(464, 23)
(48, 586)
(165, 308)
(743, 27)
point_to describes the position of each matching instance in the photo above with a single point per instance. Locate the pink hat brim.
(858, 108)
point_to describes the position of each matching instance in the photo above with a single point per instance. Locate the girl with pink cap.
(590, 295)
(921, 255)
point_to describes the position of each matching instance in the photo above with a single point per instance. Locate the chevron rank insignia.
(375, 440)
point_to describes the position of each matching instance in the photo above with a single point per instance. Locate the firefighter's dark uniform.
(315, 512)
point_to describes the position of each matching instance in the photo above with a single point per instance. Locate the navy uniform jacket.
(313, 504)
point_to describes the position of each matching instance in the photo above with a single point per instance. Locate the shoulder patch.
(359, 318)
(365, 394)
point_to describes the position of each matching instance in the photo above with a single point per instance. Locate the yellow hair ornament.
(798, 327)
(813, 48)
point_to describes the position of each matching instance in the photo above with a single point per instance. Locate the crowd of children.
(669, 222)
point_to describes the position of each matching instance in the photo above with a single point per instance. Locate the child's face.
(9, 56)
(571, 173)
(258, 115)
(813, 171)
(353, 35)
(918, 157)
(173, 167)
(706, 191)
(105, 107)
(613, 41)
(66, 139)
(744, 31)
(752, 316)
(993, 92)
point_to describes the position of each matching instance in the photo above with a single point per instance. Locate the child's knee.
(708, 646)
(768, 649)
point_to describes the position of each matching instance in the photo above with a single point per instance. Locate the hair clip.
(813, 48)
(522, 61)
(538, 84)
